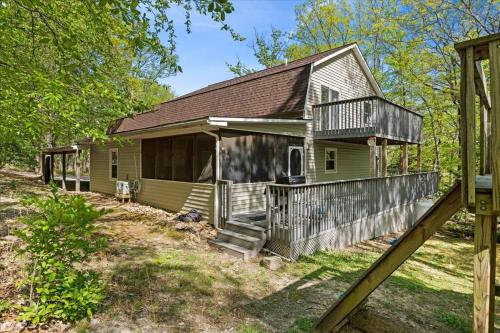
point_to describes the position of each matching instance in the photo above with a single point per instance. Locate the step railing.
(224, 202)
(297, 212)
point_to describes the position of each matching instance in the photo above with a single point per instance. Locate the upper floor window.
(329, 95)
(113, 163)
(330, 160)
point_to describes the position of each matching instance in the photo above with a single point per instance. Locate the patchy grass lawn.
(163, 279)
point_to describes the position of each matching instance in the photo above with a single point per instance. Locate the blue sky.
(204, 51)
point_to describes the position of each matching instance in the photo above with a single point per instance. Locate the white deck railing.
(297, 212)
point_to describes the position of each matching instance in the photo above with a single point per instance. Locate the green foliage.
(454, 321)
(58, 238)
(302, 325)
(66, 66)
(269, 52)
(4, 306)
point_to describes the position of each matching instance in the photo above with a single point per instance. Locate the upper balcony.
(356, 120)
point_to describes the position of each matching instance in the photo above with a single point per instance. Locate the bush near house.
(57, 239)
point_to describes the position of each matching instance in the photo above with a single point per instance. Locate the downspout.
(217, 178)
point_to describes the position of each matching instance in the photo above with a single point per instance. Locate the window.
(330, 160)
(113, 163)
(185, 158)
(329, 95)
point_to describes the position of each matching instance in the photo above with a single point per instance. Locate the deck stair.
(244, 236)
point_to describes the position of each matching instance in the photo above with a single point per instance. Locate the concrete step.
(246, 229)
(234, 250)
(236, 238)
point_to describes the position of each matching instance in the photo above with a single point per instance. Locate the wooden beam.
(404, 158)
(419, 158)
(470, 118)
(396, 255)
(77, 171)
(481, 86)
(463, 126)
(478, 42)
(384, 157)
(495, 122)
(372, 143)
(484, 273)
(484, 140)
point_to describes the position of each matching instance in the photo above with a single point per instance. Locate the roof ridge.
(254, 75)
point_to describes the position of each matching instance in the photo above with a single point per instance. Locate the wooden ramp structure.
(479, 192)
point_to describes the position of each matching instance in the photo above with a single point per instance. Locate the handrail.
(298, 212)
(225, 202)
(357, 99)
(367, 117)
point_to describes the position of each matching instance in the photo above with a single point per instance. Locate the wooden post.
(372, 143)
(77, 170)
(470, 119)
(51, 166)
(494, 54)
(419, 157)
(63, 171)
(42, 167)
(484, 273)
(404, 158)
(384, 158)
(484, 141)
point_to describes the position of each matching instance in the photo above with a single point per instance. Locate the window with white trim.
(329, 95)
(113, 163)
(330, 160)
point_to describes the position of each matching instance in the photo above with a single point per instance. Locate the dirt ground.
(163, 276)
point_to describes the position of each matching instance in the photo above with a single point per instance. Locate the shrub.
(58, 239)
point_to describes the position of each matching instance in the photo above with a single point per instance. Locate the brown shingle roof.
(276, 92)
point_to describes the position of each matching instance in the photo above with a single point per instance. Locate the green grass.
(454, 321)
(250, 328)
(437, 279)
(302, 325)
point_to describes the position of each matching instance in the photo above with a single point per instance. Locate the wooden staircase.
(244, 236)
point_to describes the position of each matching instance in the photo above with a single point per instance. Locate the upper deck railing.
(367, 117)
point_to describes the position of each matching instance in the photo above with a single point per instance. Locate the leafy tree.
(67, 68)
(269, 52)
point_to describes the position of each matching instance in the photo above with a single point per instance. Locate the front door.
(295, 161)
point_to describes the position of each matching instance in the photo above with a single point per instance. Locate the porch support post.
(52, 166)
(384, 158)
(419, 157)
(404, 158)
(484, 273)
(64, 171)
(77, 170)
(372, 143)
(217, 206)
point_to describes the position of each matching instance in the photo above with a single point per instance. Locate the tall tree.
(66, 65)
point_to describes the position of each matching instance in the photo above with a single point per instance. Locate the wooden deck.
(362, 118)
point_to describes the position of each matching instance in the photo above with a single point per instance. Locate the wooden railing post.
(384, 158)
(372, 143)
(404, 158)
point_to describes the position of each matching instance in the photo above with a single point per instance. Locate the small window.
(113, 163)
(330, 160)
(329, 95)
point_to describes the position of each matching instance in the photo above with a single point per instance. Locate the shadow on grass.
(314, 292)
(165, 290)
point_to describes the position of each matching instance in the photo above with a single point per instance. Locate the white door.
(295, 161)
